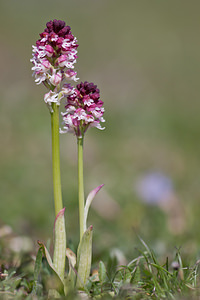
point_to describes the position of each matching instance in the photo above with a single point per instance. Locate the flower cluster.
(53, 58)
(83, 109)
(53, 62)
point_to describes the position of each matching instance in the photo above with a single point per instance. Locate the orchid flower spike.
(53, 61)
(83, 109)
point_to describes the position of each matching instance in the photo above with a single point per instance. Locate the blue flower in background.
(154, 188)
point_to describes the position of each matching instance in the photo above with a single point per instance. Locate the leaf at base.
(84, 258)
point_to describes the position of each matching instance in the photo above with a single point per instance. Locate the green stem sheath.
(56, 159)
(80, 186)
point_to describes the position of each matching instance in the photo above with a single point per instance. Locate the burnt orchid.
(53, 61)
(83, 109)
(54, 57)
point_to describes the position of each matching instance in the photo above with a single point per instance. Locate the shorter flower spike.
(83, 109)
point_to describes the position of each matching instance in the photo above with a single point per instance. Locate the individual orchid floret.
(54, 57)
(83, 109)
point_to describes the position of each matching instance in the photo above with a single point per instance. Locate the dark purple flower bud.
(58, 27)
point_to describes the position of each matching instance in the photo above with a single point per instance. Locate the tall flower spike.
(53, 60)
(83, 109)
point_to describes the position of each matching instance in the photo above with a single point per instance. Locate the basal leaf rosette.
(54, 56)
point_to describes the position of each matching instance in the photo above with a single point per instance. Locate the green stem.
(59, 227)
(80, 186)
(56, 159)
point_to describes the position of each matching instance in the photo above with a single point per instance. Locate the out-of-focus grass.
(144, 57)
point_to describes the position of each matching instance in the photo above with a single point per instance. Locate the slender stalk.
(56, 159)
(80, 186)
(59, 226)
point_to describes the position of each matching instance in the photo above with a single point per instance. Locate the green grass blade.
(37, 268)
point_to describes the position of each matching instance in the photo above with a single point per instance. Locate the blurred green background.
(145, 58)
